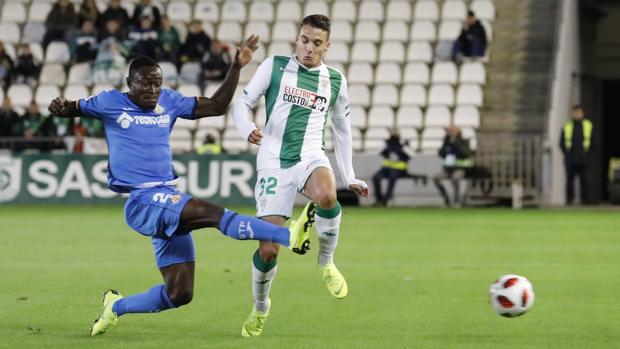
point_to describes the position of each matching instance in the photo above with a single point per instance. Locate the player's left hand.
(245, 50)
(360, 188)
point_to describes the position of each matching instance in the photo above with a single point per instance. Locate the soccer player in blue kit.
(137, 126)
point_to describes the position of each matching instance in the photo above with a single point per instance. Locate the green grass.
(418, 278)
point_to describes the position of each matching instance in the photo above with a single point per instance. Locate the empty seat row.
(438, 94)
(419, 73)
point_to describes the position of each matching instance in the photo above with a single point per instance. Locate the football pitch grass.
(418, 278)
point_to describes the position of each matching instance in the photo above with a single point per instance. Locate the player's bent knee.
(327, 200)
(181, 297)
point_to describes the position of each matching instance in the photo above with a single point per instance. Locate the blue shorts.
(156, 212)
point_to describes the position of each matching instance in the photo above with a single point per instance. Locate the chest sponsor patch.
(305, 98)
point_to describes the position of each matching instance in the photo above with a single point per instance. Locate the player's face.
(145, 87)
(311, 45)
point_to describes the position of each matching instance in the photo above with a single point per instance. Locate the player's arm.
(343, 142)
(64, 108)
(251, 94)
(216, 105)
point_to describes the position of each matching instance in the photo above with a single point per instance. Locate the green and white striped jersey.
(297, 101)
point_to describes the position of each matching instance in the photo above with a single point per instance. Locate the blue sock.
(240, 227)
(151, 301)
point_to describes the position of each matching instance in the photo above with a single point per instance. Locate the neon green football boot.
(334, 281)
(253, 325)
(108, 317)
(300, 242)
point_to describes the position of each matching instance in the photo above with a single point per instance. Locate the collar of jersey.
(303, 66)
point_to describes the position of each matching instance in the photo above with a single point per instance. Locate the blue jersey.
(138, 139)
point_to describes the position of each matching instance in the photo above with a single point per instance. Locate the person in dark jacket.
(116, 13)
(395, 159)
(144, 38)
(196, 45)
(472, 41)
(145, 8)
(576, 143)
(456, 157)
(61, 19)
(27, 67)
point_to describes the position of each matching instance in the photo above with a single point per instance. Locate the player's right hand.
(58, 106)
(256, 136)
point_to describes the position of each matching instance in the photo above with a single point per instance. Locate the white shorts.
(276, 188)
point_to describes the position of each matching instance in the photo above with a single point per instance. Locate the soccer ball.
(511, 295)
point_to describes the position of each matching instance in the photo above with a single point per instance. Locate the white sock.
(261, 285)
(328, 230)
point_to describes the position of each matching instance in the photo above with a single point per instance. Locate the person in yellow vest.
(209, 146)
(576, 143)
(456, 157)
(395, 158)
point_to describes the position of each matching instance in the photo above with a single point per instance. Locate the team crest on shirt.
(159, 109)
(305, 98)
(175, 199)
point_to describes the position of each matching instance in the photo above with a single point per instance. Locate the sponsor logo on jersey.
(305, 98)
(125, 120)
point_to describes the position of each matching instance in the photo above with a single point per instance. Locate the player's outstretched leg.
(107, 317)
(328, 229)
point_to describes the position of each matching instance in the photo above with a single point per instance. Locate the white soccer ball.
(512, 295)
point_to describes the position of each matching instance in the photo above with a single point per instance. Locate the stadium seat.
(261, 11)
(416, 73)
(364, 52)
(395, 31)
(385, 94)
(288, 11)
(10, 51)
(44, 95)
(13, 12)
(169, 72)
(52, 73)
(190, 72)
(232, 141)
(469, 94)
(9, 33)
(283, 31)
(344, 10)
(409, 116)
(467, 115)
(441, 94)
(218, 122)
(38, 11)
(409, 135)
(381, 117)
(444, 72)
(80, 73)
(229, 31)
(484, 9)
(374, 139)
(341, 31)
(472, 72)
(432, 139)
(399, 10)
(207, 11)
(449, 30)
(283, 48)
(189, 90)
(179, 11)
(233, 11)
(360, 72)
(260, 54)
(75, 92)
(359, 94)
(98, 88)
(468, 133)
(20, 94)
(358, 117)
(259, 28)
(33, 32)
(426, 10)
(57, 52)
(437, 116)
(247, 72)
(316, 6)
(338, 52)
(367, 31)
(180, 139)
(423, 31)
(356, 136)
(392, 52)
(420, 51)
(413, 94)
(453, 9)
(388, 73)
(488, 28)
(208, 28)
(370, 10)
(339, 66)
(211, 88)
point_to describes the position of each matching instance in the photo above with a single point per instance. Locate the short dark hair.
(577, 107)
(471, 13)
(140, 62)
(317, 21)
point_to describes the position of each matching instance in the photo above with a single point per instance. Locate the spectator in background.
(169, 42)
(576, 143)
(84, 44)
(112, 29)
(456, 157)
(35, 125)
(61, 19)
(196, 45)
(114, 12)
(144, 37)
(27, 67)
(88, 11)
(144, 8)
(395, 159)
(9, 124)
(6, 67)
(110, 62)
(472, 41)
(209, 146)
(216, 62)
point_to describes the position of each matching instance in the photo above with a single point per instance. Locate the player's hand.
(256, 136)
(360, 188)
(245, 50)
(58, 106)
